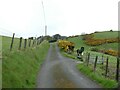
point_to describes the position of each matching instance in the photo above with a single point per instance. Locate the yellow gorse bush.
(111, 52)
(66, 45)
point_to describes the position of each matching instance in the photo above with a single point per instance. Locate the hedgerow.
(109, 51)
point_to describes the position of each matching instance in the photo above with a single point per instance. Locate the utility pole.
(44, 18)
(45, 30)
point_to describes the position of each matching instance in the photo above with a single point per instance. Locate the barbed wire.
(6, 32)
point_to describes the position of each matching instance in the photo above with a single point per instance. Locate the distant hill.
(106, 34)
(79, 42)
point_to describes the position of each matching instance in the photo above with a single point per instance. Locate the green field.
(79, 43)
(106, 34)
(105, 82)
(20, 67)
(0, 62)
(7, 42)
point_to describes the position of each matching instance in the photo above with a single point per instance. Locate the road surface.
(61, 72)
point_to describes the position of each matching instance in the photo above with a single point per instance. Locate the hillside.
(0, 62)
(106, 34)
(79, 42)
(20, 67)
(98, 60)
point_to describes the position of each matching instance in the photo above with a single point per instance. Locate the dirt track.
(60, 72)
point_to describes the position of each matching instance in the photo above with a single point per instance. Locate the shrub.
(95, 42)
(66, 45)
(111, 52)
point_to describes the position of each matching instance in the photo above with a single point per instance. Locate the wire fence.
(103, 65)
(31, 41)
(12, 44)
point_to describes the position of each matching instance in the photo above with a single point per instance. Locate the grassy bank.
(20, 68)
(104, 82)
(88, 71)
(0, 73)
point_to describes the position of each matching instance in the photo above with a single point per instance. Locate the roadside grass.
(73, 55)
(0, 62)
(104, 82)
(88, 71)
(0, 74)
(67, 55)
(20, 67)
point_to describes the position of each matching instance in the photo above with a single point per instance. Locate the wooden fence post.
(102, 60)
(33, 42)
(40, 41)
(25, 43)
(20, 43)
(106, 70)
(12, 42)
(29, 42)
(88, 59)
(95, 63)
(117, 69)
(37, 41)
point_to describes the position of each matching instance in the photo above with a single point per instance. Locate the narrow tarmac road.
(60, 72)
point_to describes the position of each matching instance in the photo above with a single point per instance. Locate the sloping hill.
(99, 74)
(79, 42)
(20, 67)
(106, 34)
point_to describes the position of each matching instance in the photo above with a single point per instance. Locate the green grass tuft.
(106, 34)
(20, 68)
(104, 82)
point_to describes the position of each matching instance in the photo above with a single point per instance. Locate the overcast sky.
(65, 17)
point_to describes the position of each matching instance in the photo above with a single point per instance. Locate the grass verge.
(104, 82)
(67, 55)
(0, 74)
(20, 68)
